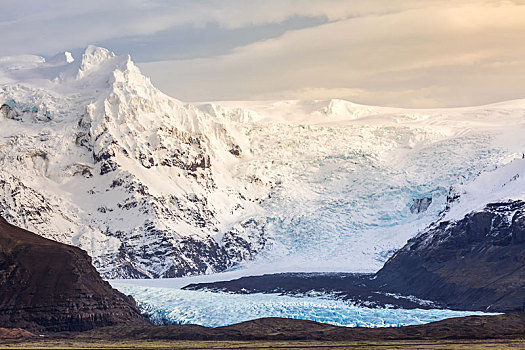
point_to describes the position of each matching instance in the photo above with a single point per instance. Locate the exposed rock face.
(420, 205)
(477, 263)
(49, 286)
(355, 288)
(6, 111)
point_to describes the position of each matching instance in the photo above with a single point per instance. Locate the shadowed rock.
(476, 263)
(52, 287)
(420, 205)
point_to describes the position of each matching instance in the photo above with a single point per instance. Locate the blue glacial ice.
(343, 193)
(175, 306)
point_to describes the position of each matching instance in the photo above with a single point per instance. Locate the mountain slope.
(476, 263)
(49, 286)
(93, 155)
(347, 175)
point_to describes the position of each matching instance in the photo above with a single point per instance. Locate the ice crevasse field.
(346, 176)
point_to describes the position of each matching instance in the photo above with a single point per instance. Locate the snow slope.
(94, 155)
(503, 184)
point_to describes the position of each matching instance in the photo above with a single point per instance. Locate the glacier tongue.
(175, 306)
(94, 155)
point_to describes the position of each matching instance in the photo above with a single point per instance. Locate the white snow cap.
(92, 57)
(110, 152)
(500, 185)
(69, 57)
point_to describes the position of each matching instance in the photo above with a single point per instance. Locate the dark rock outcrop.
(355, 288)
(7, 112)
(47, 286)
(476, 263)
(420, 205)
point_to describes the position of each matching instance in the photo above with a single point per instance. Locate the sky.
(404, 53)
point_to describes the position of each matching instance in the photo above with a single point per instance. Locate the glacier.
(176, 306)
(346, 174)
(94, 155)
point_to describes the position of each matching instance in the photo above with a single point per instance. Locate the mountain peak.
(93, 57)
(95, 54)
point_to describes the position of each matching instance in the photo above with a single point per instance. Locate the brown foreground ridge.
(15, 333)
(47, 286)
(506, 326)
(502, 332)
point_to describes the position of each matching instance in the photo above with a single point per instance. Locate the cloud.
(49, 26)
(448, 53)
(406, 53)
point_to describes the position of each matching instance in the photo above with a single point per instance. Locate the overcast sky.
(423, 53)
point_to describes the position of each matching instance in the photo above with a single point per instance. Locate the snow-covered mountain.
(94, 155)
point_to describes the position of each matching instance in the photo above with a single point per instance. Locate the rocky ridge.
(509, 326)
(476, 263)
(46, 286)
